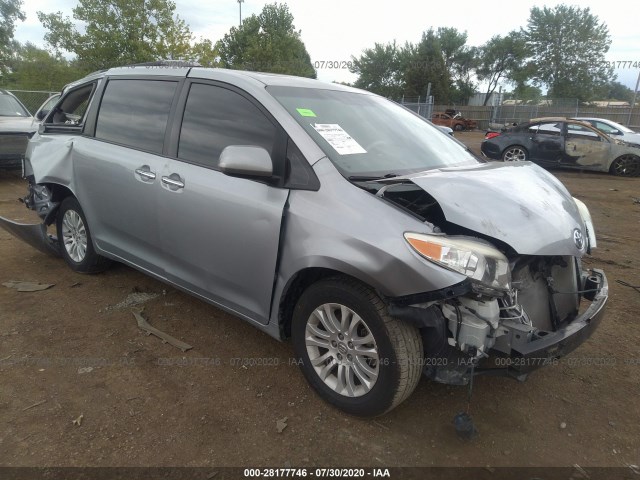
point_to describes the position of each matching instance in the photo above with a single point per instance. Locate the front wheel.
(626, 166)
(75, 239)
(515, 153)
(458, 127)
(353, 353)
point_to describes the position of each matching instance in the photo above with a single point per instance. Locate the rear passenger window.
(215, 118)
(135, 113)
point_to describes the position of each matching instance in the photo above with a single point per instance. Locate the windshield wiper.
(370, 178)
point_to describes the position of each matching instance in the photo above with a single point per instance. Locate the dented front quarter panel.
(50, 160)
(343, 228)
(53, 165)
(517, 203)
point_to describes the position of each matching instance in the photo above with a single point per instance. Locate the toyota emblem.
(578, 239)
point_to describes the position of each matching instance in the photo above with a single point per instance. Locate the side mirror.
(41, 114)
(246, 161)
(615, 132)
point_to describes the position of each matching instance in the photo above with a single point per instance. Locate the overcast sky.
(334, 30)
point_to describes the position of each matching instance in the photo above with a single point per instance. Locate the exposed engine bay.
(544, 297)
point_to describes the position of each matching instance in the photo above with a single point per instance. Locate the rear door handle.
(146, 173)
(172, 182)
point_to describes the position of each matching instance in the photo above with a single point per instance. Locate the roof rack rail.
(166, 63)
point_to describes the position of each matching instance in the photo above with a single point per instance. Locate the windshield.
(366, 135)
(10, 107)
(622, 128)
(607, 127)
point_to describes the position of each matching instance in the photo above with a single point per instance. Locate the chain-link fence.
(423, 106)
(32, 99)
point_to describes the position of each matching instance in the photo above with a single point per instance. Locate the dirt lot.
(72, 351)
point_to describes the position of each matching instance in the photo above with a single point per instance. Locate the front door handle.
(146, 173)
(172, 182)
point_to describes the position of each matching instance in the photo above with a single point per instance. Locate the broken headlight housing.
(478, 260)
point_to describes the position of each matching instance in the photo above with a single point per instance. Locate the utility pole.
(633, 103)
(240, 2)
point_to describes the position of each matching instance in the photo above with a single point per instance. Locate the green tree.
(205, 53)
(423, 64)
(267, 42)
(379, 70)
(568, 45)
(33, 68)
(501, 60)
(460, 60)
(10, 13)
(119, 32)
(527, 93)
(615, 91)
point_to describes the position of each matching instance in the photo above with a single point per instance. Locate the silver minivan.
(381, 246)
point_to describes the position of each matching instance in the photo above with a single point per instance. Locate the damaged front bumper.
(34, 234)
(502, 347)
(543, 350)
(40, 200)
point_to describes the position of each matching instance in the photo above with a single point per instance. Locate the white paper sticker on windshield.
(340, 140)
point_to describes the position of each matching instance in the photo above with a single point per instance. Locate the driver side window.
(546, 129)
(73, 108)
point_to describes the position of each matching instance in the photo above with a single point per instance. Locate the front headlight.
(479, 261)
(588, 223)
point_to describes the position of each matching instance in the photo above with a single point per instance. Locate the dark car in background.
(16, 127)
(562, 142)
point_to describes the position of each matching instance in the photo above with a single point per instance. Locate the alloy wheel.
(514, 154)
(626, 166)
(74, 235)
(342, 350)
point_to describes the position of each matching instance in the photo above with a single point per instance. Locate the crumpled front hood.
(518, 203)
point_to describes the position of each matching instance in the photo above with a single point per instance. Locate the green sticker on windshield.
(305, 112)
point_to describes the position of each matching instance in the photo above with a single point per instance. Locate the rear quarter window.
(135, 113)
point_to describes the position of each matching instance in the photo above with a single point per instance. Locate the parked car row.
(17, 126)
(562, 142)
(382, 247)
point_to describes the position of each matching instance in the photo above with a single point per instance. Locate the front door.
(584, 147)
(220, 233)
(547, 143)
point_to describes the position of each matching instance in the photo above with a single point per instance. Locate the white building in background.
(477, 99)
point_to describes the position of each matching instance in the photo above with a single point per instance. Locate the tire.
(369, 368)
(458, 127)
(515, 153)
(626, 166)
(75, 240)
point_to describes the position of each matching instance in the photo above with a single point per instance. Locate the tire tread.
(405, 338)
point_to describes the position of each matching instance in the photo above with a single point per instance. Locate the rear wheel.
(353, 353)
(515, 153)
(626, 166)
(75, 239)
(458, 127)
